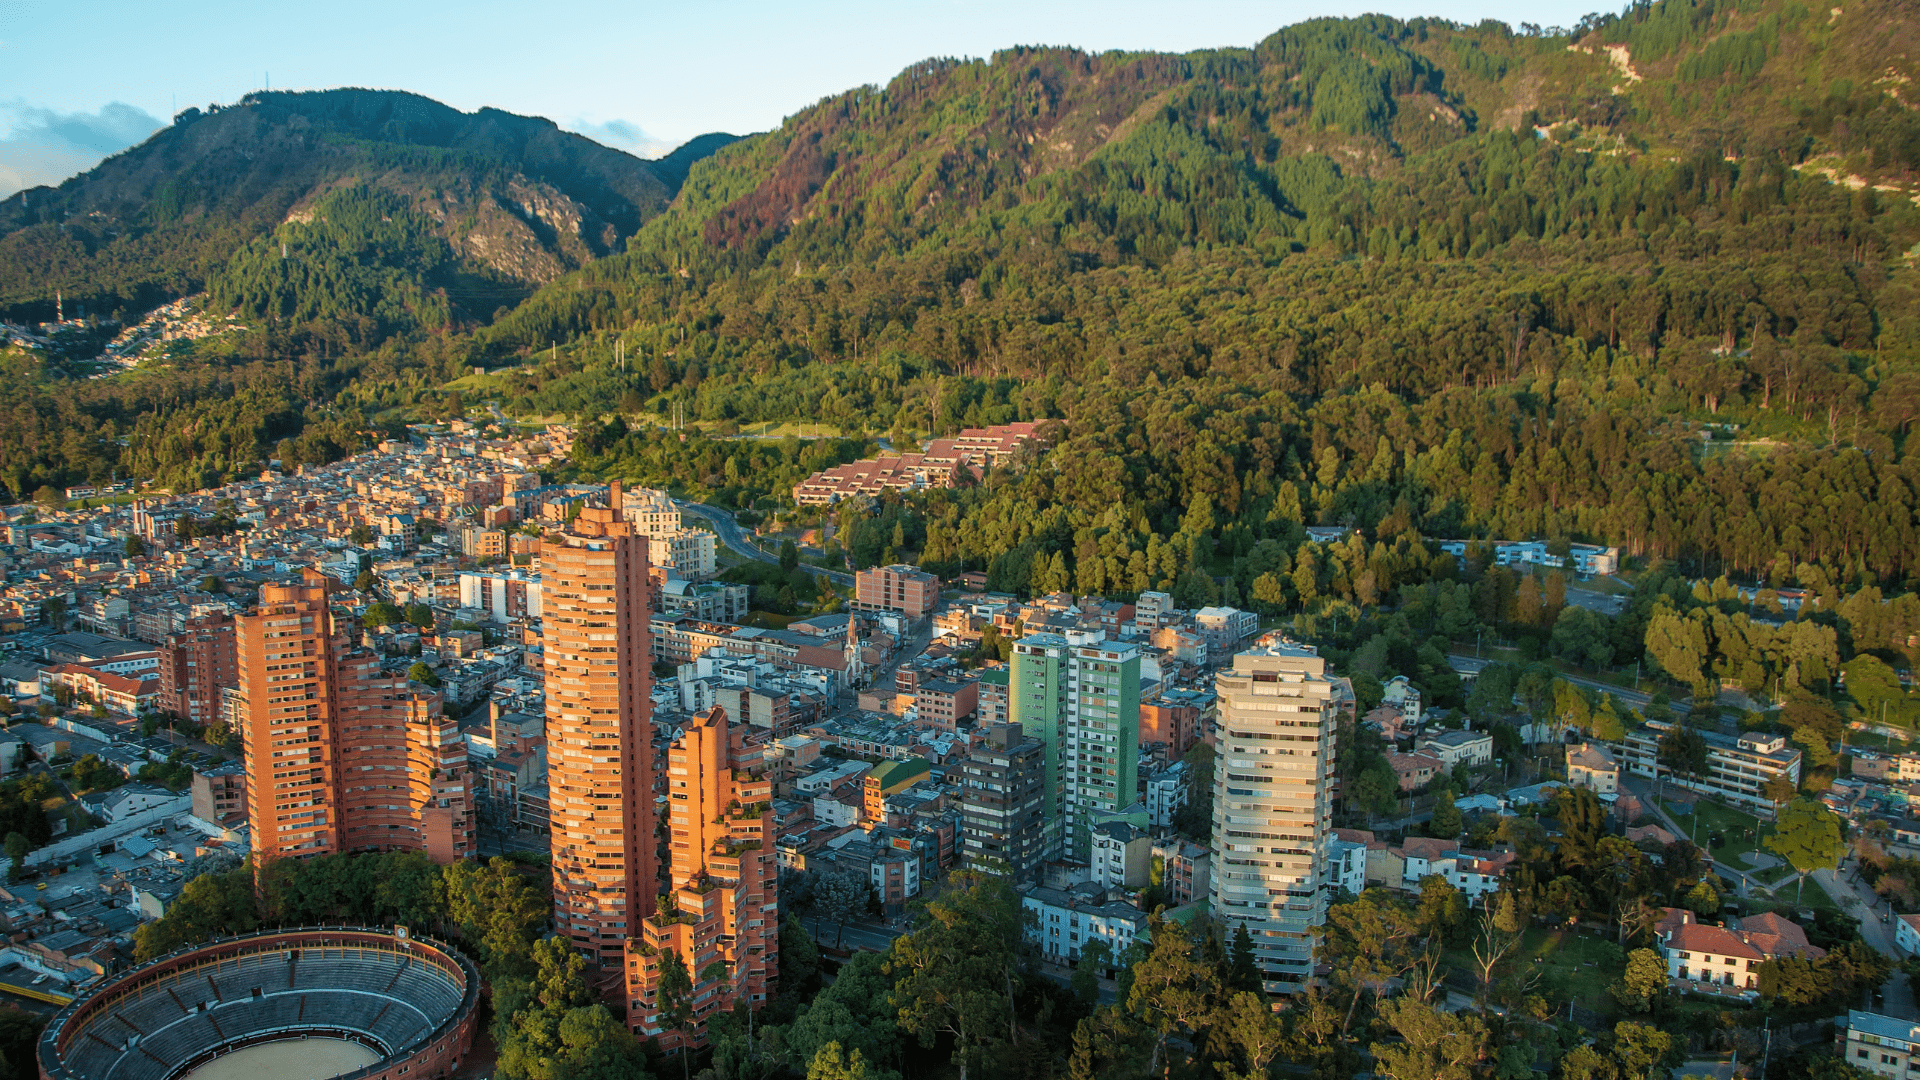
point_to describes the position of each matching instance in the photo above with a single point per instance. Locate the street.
(737, 540)
(855, 935)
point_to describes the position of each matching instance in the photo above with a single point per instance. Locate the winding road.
(740, 543)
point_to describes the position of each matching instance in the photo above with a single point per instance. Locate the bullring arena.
(281, 1005)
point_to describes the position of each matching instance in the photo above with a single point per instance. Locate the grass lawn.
(767, 620)
(1571, 967)
(1739, 832)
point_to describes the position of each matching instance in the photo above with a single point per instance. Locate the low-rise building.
(1883, 1045)
(1738, 768)
(1458, 747)
(1166, 793)
(1120, 856)
(1726, 958)
(1590, 765)
(1415, 770)
(1067, 920)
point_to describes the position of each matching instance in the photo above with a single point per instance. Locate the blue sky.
(79, 81)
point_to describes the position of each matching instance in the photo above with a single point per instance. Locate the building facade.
(1003, 813)
(911, 591)
(1079, 695)
(341, 756)
(1272, 813)
(195, 664)
(598, 664)
(724, 924)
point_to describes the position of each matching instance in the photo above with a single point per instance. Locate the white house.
(1166, 794)
(1906, 934)
(1459, 747)
(1121, 855)
(1066, 920)
(1347, 865)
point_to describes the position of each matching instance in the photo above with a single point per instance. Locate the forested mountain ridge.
(515, 195)
(1424, 279)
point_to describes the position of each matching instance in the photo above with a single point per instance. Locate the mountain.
(514, 197)
(1410, 276)
(1648, 281)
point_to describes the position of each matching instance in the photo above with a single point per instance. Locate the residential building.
(220, 793)
(1067, 920)
(724, 895)
(1225, 629)
(323, 722)
(993, 705)
(1185, 870)
(1152, 610)
(1271, 805)
(1591, 765)
(1166, 794)
(600, 769)
(1002, 803)
(911, 591)
(1400, 693)
(1169, 728)
(1120, 855)
(1415, 770)
(1701, 955)
(887, 778)
(1906, 933)
(941, 703)
(1886, 1046)
(690, 552)
(944, 459)
(1458, 747)
(1738, 768)
(195, 664)
(503, 596)
(1347, 866)
(707, 601)
(1080, 695)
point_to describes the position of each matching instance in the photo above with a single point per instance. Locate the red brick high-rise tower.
(599, 731)
(340, 755)
(724, 925)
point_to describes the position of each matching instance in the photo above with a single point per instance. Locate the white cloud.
(622, 135)
(41, 146)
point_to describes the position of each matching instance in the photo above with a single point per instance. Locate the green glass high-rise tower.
(1079, 695)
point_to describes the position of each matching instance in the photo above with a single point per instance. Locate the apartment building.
(941, 703)
(724, 922)
(599, 730)
(690, 552)
(1272, 811)
(911, 591)
(1067, 920)
(1169, 728)
(503, 597)
(1003, 814)
(195, 663)
(1737, 767)
(1883, 1045)
(1079, 695)
(220, 794)
(340, 755)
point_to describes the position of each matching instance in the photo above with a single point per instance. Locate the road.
(1632, 698)
(858, 935)
(737, 540)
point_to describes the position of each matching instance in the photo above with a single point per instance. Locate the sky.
(81, 81)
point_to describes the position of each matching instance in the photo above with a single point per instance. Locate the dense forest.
(1645, 281)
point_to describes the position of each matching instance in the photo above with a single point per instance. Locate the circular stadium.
(281, 1005)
